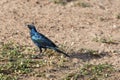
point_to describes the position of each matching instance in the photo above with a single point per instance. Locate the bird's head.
(31, 27)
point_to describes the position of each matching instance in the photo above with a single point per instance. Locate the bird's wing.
(44, 41)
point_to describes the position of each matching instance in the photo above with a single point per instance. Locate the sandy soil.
(72, 25)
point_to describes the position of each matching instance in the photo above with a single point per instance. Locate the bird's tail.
(56, 49)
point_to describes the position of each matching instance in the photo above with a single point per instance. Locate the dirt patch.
(79, 24)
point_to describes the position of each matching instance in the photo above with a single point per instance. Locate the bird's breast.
(34, 38)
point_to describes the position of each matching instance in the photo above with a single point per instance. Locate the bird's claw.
(37, 56)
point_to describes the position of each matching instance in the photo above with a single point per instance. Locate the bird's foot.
(39, 56)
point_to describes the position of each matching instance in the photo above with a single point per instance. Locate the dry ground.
(80, 24)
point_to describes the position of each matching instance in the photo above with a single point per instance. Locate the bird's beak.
(26, 24)
(29, 26)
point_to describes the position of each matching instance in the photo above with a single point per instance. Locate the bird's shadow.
(86, 56)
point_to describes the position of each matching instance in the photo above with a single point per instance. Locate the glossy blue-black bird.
(43, 42)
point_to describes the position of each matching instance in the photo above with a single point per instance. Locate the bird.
(42, 42)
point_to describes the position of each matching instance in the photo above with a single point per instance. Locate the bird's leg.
(38, 55)
(45, 49)
(40, 50)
